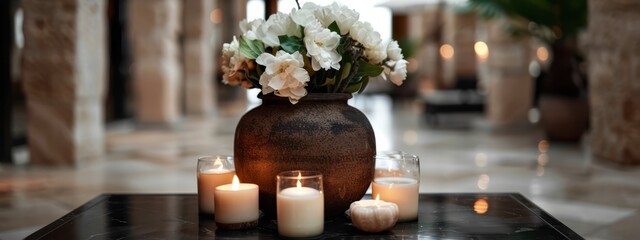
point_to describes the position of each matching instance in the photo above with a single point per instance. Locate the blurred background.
(540, 97)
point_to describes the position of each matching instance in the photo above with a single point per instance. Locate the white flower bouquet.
(323, 49)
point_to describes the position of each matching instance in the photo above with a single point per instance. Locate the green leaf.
(365, 81)
(291, 44)
(250, 49)
(334, 27)
(368, 69)
(346, 69)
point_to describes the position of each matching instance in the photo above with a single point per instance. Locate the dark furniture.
(175, 216)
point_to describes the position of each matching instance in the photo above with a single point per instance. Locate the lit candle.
(373, 215)
(300, 211)
(236, 205)
(209, 179)
(402, 191)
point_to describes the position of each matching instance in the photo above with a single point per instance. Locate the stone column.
(64, 71)
(459, 31)
(504, 75)
(198, 57)
(156, 70)
(614, 79)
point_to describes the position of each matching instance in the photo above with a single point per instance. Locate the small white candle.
(208, 180)
(300, 212)
(373, 215)
(401, 191)
(236, 203)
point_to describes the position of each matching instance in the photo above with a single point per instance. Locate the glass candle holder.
(397, 179)
(300, 204)
(213, 171)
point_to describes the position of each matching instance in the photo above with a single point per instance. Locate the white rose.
(230, 51)
(278, 24)
(364, 34)
(284, 74)
(394, 52)
(342, 15)
(399, 72)
(250, 29)
(305, 15)
(376, 54)
(321, 44)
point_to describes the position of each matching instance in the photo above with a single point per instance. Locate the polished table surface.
(175, 216)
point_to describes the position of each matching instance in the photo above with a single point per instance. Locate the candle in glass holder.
(396, 180)
(300, 204)
(212, 172)
(236, 205)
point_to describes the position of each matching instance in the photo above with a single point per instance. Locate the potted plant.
(307, 64)
(563, 104)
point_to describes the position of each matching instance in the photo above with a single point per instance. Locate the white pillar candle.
(399, 190)
(300, 212)
(208, 180)
(236, 203)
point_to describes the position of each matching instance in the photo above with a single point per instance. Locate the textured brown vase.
(319, 133)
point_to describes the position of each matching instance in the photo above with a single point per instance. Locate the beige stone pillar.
(429, 35)
(198, 57)
(156, 71)
(504, 75)
(64, 71)
(614, 79)
(459, 31)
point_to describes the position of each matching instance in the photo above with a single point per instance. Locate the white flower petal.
(399, 73)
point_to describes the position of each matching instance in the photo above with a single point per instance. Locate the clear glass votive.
(300, 204)
(212, 171)
(397, 179)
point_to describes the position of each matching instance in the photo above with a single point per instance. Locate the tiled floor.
(463, 154)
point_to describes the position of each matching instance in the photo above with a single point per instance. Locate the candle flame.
(218, 163)
(377, 199)
(235, 185)
(298, 184)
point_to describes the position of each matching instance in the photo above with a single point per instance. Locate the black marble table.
(175, 216)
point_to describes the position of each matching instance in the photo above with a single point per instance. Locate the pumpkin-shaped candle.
(373, 215)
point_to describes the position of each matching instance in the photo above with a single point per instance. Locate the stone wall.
(64, 72)
(154, 26)
(613, 45)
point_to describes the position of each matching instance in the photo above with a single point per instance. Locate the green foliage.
(555, 20)
(334, 27)
(368, 69)
(250, 49)
(291, 44)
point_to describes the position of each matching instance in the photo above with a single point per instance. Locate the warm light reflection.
(218, 164)
(542, 54)
(215, 16)
(481, 159)
(377, 199)
(481, 206)
(410, 137)
(235, 184)
(446, 51)
(482, 50)
(483, 182)
(543, 146)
